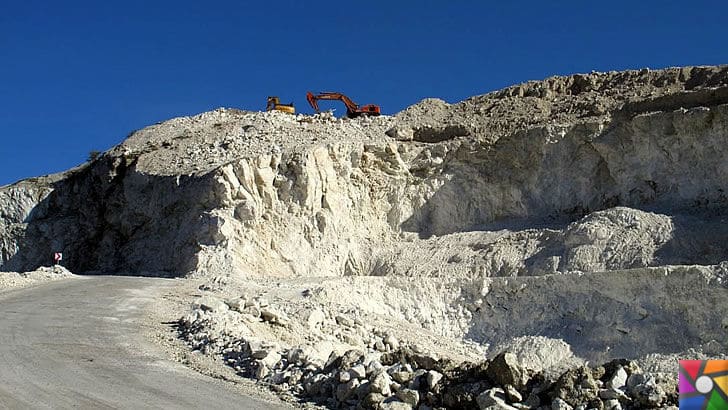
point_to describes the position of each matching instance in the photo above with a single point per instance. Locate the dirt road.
(77, 344)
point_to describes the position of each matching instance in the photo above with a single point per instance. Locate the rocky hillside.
(560, 212)
(271, 194)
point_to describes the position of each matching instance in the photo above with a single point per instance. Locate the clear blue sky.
(77, 76)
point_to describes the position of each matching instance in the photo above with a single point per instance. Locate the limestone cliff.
(269, 194)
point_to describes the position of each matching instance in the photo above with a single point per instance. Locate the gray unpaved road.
(77, 344)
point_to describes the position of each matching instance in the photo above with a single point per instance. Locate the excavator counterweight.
(353, 110)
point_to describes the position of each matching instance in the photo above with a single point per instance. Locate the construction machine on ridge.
(353, 110)
(274, 103)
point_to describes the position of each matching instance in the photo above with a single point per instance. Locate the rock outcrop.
(265, 193)
(550, 224)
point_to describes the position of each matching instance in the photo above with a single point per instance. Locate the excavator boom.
(352, 109)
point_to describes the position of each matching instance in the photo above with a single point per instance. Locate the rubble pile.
(13, 280)
(385, 373)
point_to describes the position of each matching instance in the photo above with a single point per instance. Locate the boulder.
(210, 304)
(272, 316)
(316, 319)
(504, 369)
(402, 376)
(559, 404)
(612, 404)
(394, 404)
(512, 394)
(618, 379)
(344, 377)
(381, 384)
(493, 399)
(346, 390)
(372, 400)
(645, 391)
(576, 385)
(433, 378)
(236, 304)
(409, 396)
(358, 372)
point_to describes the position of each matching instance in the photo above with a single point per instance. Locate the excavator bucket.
(312, 101)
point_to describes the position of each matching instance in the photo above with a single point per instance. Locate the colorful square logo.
(703, 384)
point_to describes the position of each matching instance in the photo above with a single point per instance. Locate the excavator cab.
(274, 104)
(370, 109)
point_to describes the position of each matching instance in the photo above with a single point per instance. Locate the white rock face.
(559, 220)
(274, 194)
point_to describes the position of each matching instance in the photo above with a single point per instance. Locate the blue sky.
(77, 76)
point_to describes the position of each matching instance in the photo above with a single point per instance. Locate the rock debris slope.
(572, 208)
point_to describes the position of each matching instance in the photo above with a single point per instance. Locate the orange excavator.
(353, 110)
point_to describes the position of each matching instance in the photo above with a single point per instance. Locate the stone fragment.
(312, 385)
(576, 385)
(253, 311)
(645, 391)
(236, 304)
(504, 369)
(391, 342)
(372, 400)
(559, 404)
(493, 399)
(433, 378)
(409, 396)
(344, 321)
(402, 376)
(261, 371)
(612, 404)
(279, 377)
(272, 316)
(353, 340)
(260, 353)
(358, 372)
(210, 304)
(512, 394)
(381, 384)
(345, 390)
(268, 358)
(296, 355)
(394, 404)
(419, 379)
(374, 367)
(634, 380)
(316, 319)
(609, 394)
(618, 379)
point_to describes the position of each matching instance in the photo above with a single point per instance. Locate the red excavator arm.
(353, 110)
